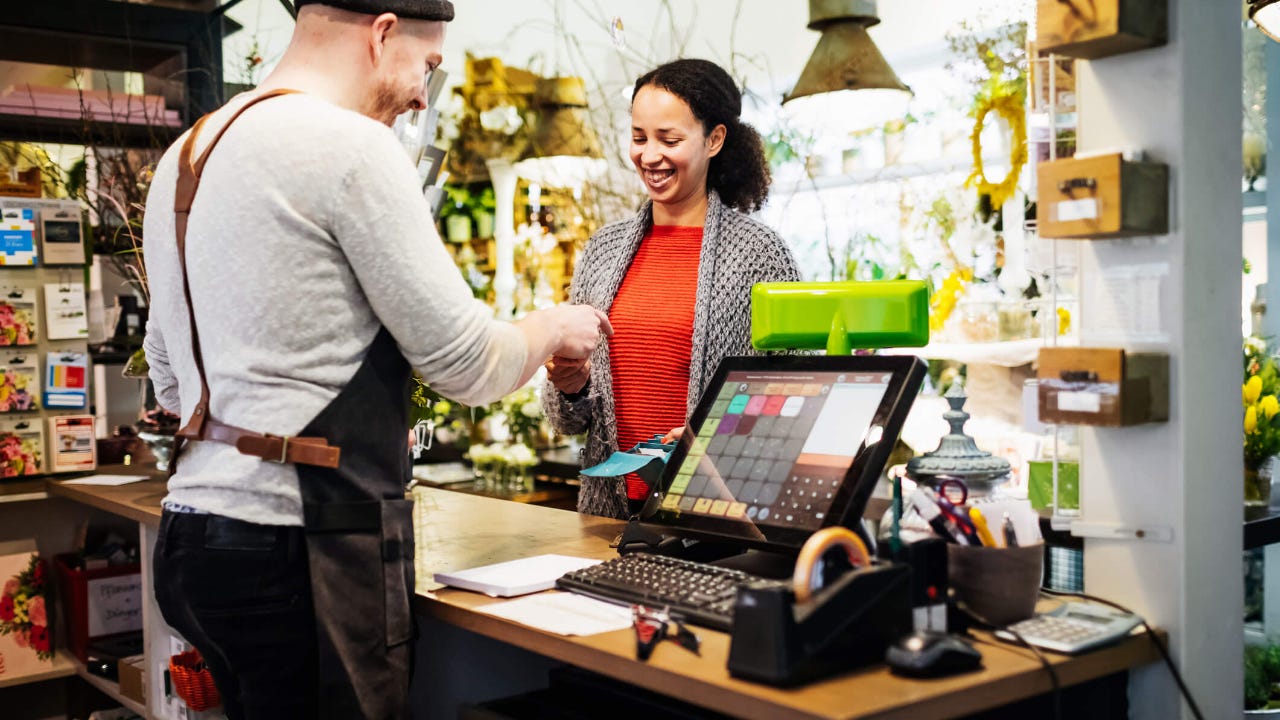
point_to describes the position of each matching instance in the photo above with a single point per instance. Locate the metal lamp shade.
(845, 59)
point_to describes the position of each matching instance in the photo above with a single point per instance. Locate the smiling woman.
(675, 278)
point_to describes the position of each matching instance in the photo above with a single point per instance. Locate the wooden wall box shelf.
(28, 184)
(1102, 386)
(1092, 29)
(1104, 196)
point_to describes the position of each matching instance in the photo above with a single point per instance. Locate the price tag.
(1083, 209)
(1080, 401)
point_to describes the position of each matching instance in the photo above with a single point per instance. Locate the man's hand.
(568, 376)
(580, 328)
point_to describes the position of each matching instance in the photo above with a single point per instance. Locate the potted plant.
(1261, 675)
(456, 214)
(483, 208)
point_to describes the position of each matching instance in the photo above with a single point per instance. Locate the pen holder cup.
(999, 584)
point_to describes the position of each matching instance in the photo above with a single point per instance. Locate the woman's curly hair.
(739, 173)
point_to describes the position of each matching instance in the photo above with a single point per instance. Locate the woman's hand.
(674, 435)
(568, 375)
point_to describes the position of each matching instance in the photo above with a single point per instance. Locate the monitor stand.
(640, 538)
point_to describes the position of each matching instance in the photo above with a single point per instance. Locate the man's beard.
(387, 104)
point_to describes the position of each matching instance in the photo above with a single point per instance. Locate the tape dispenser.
(824, 621)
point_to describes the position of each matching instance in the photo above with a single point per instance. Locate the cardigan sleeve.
(571, 414)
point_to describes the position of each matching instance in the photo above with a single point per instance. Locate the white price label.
(1083, 209)
(1079, 401)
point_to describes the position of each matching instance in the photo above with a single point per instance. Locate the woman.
(675, 279)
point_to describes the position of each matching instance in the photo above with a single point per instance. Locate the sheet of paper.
(106, 480)
(562, 613)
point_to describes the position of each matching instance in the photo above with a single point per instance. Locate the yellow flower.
(1252, 389)
(1270, 406)
(1250, 419)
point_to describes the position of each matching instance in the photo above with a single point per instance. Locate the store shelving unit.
(63, 665)
(108, 687)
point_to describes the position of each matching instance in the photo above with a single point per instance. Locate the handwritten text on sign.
(115, 605)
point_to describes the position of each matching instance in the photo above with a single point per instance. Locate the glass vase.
(1257, 487)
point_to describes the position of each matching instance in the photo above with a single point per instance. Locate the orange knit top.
(652, 317)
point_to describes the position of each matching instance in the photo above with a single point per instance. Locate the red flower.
(37, 574)
(40, 638)
(6, 608)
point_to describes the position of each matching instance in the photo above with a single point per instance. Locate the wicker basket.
(192, 681)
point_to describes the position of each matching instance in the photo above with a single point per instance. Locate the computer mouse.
(930, 653)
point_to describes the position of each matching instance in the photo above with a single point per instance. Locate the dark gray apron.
(353, 464)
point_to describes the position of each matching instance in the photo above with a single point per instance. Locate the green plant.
(1261, 673)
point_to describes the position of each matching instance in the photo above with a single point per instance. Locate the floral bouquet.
(19, 455)
(23, 612)
(14, 395)
(1261, 407)
(16, 325)
(522, 410)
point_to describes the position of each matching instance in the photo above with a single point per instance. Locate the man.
(302, 254)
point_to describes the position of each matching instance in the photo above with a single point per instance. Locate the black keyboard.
(702, 594)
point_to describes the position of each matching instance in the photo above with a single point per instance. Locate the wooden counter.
(457, 531)
(138, 501)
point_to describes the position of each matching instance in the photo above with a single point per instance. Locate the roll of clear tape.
(807, 579)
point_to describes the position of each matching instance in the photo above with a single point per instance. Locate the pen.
(895, 529)
(1010, 537)
(980, 523)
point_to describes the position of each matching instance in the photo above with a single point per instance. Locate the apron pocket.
(397, 568)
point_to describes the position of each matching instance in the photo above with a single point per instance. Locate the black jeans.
(241, 594)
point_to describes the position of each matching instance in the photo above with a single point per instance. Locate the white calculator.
(1074, 627)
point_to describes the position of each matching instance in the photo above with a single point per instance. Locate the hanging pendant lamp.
(564, 151)
(847, 81)
(1266, 15)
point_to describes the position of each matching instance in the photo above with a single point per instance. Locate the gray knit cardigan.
(737, 252)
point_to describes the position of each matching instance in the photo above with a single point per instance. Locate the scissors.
(954, 491)
(424, 432)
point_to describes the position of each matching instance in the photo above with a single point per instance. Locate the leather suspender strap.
(202, 426)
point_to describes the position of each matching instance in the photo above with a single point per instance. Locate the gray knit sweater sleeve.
(737, 252)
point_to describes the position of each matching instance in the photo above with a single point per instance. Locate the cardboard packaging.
(132, 678)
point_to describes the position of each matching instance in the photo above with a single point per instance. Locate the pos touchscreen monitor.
(780, 447)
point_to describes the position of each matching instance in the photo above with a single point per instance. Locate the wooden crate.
(1102, 386)
(1104, 196)
(1092, 29)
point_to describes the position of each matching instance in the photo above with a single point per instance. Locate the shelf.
(110, 688)
(63, 665)
(1010, 353)
(1261, 527)
(22, 491)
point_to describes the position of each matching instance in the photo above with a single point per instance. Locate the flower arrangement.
(17, 327)
(23, 612)
(522, 411)
(19, 455)
(14, 395)
(1261, 408)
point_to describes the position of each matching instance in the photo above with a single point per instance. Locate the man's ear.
(382, 27)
